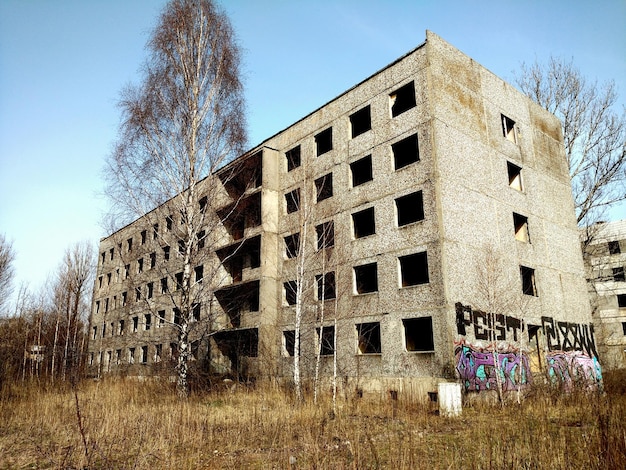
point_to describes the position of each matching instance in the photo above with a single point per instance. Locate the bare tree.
(184, 121)
(593, 131)
(7, 257)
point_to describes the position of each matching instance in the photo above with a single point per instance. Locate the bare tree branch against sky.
(63, 63)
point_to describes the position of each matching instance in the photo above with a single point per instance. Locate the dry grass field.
(126, 424)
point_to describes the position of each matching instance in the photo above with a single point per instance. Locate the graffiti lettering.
(478, 371)
(569, 336)
(487, 326)
(572, 368)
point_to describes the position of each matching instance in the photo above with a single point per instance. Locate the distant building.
(605, 258)
(442, 238)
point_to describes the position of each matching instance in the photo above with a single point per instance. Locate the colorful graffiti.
(570, 358)
(574, 368)
(481, 369)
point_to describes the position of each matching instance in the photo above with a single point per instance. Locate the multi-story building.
(427, 216)
(605, 258)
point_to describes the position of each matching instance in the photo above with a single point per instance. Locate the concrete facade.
(434, 199)
(605, 259)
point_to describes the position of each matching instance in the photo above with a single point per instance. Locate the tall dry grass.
(127, 424)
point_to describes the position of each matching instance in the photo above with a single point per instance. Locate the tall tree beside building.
(185, 120)
(594, 132)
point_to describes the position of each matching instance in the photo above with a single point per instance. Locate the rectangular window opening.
(325, 286)
(520, 223)
(410, 208)
(614, 248)
(361, 121)
(292, 200)
(147, 319)
(368, 338)
(326, 339)
(324, 141)
(152, 260)
(289, 343)
(621, 300)
(402, 99)
(144, 354)
(508, 129)
(161, 315)
(324, 187)
(293, 158)
(414, 269)
(528, 281)
(361, 171)
(325, 235)
(292, 245)
(515, 176)
(291, 292)
(618, 274)
(405, 152)
(366, 278)
(144, 236)
(135, 324)
(150, 292)
(199, 273)
(364, 223)
(418, 334)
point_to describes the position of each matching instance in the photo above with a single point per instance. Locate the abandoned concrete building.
(605, 259)
(434, 205)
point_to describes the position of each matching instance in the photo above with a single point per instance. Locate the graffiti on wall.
(482, 369)
(571, 357)
(572, 368)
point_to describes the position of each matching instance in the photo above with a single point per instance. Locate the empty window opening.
(621, 300)
(144, 354)
(124, 298)
(103, 256)
(161, 315)
(199, 273)
(94, 332)
(129, 245)
(202, 203)
(201, 239)
(515, 176)
(111, 253)
(144, 236)
(361, 121)
(152, 260)
(169, 221)
(118, 356)
(289, 343)
(135, 324)
(181, 247)
(127, 271)
(195, 312)
(179, 280)
(405, 152)
(164, 285)
(618, 274)
(292, 245)
(292, 199)
(326, 340)
(176, 316)
(293, 158)
(155, 231)
(418, 334)
(174, 351)
(137, 294)
(104, 329)
(528, 281)
(614, 248)
(368, 338)
(147, 321)
(112, 328)
(150, 292)
(363, 223)
(291, 292)
(166, 253)
(413, 269)
(410, 208)
(520, 224)
(325, 286)
(361, 171)
(324, 187)
(324, 141)
(624, 327)
(402, 99)
(508, 128)
(140, 265)
(325, 235)
(158, 353)
(106, 305)
(131, 355)
(366, 278)
(120, 328)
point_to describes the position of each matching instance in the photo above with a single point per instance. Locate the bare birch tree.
(594, 132)
(7, 257)
(184, 121)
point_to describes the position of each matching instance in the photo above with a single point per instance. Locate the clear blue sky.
(63, 63)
